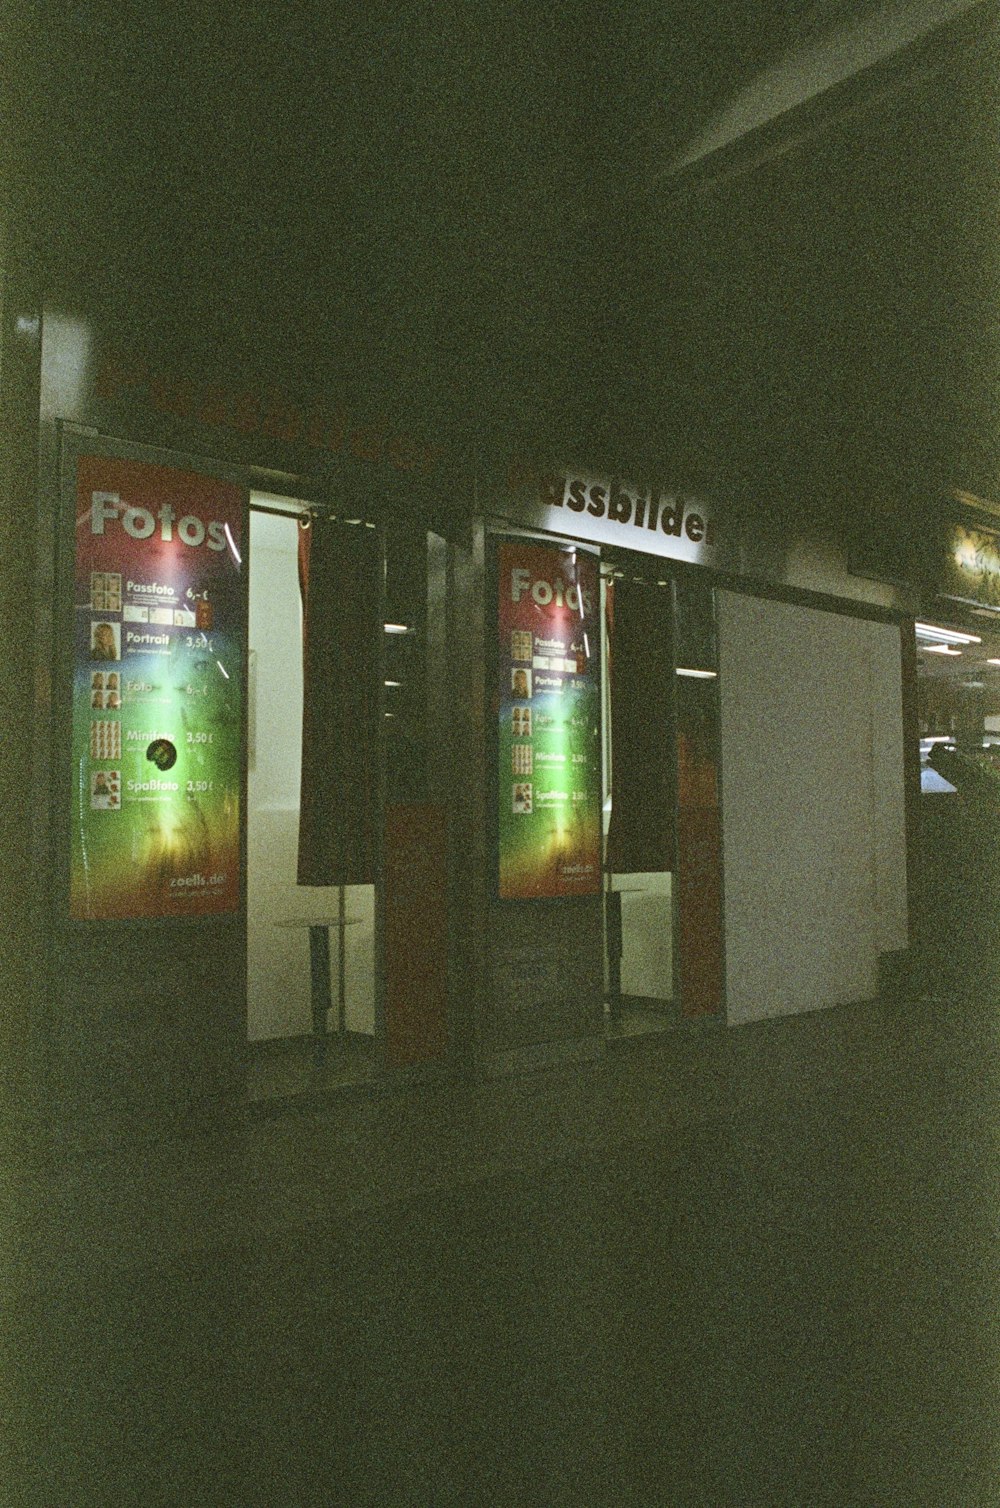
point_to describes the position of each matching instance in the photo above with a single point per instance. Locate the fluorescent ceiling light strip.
(700, 674)
(939, 649)
(946, 635)
(397, 628)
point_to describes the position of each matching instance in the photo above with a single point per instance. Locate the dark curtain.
(339, 570)
(643, 769)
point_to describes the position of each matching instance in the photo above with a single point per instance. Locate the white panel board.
(814, 829)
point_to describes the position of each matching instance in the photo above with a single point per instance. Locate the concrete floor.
(749, 1267)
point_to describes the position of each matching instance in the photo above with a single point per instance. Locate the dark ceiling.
(464, 205)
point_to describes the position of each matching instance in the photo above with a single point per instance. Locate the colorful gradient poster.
(549, 737)
(157, 693)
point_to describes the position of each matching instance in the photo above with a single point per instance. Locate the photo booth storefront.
(486, 773)
(247, 737)
(755, 693)
(604, 909)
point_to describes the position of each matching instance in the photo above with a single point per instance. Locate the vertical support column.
(911, 770)
(415, 867)
(319, 970)
(24, 836)
(379, 774)
(698, 913)
(468, 882)
(341, 960)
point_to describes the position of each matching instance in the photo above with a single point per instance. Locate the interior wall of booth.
(278, 977)
(813, 804)
(647, 919)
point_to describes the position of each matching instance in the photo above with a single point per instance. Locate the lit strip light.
(701, 675)
(945, 635)
(938, 649)
(232, 544)
(397, 628)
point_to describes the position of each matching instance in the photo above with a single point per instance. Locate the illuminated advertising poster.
(157, 693)
(549, 743)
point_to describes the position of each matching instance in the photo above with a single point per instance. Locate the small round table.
(320, 998)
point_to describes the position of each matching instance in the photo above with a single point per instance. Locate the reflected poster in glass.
(548, 670)
(157, 692)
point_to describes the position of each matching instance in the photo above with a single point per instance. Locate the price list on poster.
(157, 693)
(549, 733)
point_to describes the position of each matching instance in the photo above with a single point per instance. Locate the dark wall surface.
(462, 212)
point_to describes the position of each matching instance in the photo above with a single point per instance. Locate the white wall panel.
(812, 791)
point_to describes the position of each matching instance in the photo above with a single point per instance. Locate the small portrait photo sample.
(104, 790)
(105, 739)
(97, 680)
(112, 701)
(521, 759)
(99, 590)
(97, 700)
(520, 683)
(105, 641)
(111, 681)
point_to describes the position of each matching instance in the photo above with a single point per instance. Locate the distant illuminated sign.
(971, 569)
(157, 693)
(549, 721)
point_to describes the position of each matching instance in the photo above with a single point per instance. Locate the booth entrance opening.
(346, 832)
(638, 902)
(310, 949)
